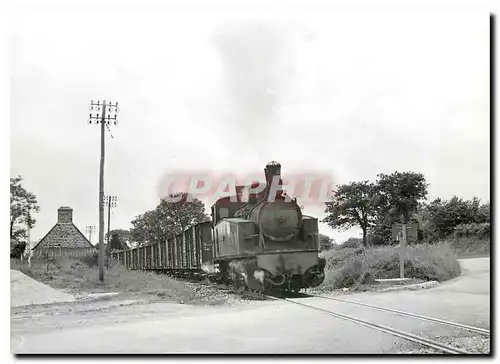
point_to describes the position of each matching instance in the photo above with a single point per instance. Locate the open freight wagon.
(182, 255)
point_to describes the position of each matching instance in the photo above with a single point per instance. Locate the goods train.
(258, 241)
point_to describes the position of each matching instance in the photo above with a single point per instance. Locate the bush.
(91, 259)
(471, 239)
(339, 255)
(479, 231)
(352, 243)
(17, 248)
(470, 247)
(325, 242)
(362, 266)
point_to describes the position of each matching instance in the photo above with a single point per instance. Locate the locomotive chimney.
(272, 169)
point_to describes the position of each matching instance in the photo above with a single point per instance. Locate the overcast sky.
(351, 95)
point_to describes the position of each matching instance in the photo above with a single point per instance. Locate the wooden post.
(103, 120)
(159, 255)
(152, 258)
(402, 252)
(101, 198)
(174, 253)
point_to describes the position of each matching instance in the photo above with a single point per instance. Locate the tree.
(442, 217)
(167, 219)
(374, 207)
(17, 248)
(484, 213)
(123, 236)
(177, 216)
(143, 229)
(325, 242)
(424, 226)
(353, 204)
(381, 231)
(398, 197)
(400, 193)
(22, 205)
(116, 243)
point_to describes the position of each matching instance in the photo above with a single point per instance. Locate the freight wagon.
(180, 256)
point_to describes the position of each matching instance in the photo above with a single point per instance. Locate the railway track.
(389, 330)
(477, 330)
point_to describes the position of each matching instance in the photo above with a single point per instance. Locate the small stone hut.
(64, 239)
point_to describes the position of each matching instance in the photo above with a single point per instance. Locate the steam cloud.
(258, 60)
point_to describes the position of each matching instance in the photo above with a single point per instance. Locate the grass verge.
(78, 279)
(471, 247)
(357, 267)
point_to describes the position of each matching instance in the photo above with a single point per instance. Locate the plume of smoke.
(259, 275)
(258, 61)
(208, 268)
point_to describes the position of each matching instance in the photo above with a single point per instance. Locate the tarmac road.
(264, 327)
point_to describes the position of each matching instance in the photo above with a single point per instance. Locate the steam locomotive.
(259, 241)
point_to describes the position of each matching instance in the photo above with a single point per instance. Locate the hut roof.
(64, 234)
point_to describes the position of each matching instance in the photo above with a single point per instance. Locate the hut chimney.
(65, 215)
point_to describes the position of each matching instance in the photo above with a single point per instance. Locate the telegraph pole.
(110, 201)
(101, 117)
(29, 239)
(90, 229)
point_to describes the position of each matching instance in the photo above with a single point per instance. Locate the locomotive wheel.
(239, 284)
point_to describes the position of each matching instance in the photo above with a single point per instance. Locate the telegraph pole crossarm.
(105, 114)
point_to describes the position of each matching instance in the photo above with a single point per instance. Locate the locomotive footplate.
(287, 263)
(280, 270)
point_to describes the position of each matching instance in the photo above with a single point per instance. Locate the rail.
(389, 330)
(477, 330)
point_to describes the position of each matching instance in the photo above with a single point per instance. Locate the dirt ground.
(153, 320)
(73, 278)
(83, 283)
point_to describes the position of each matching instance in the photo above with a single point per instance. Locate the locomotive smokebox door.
(278, 220)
